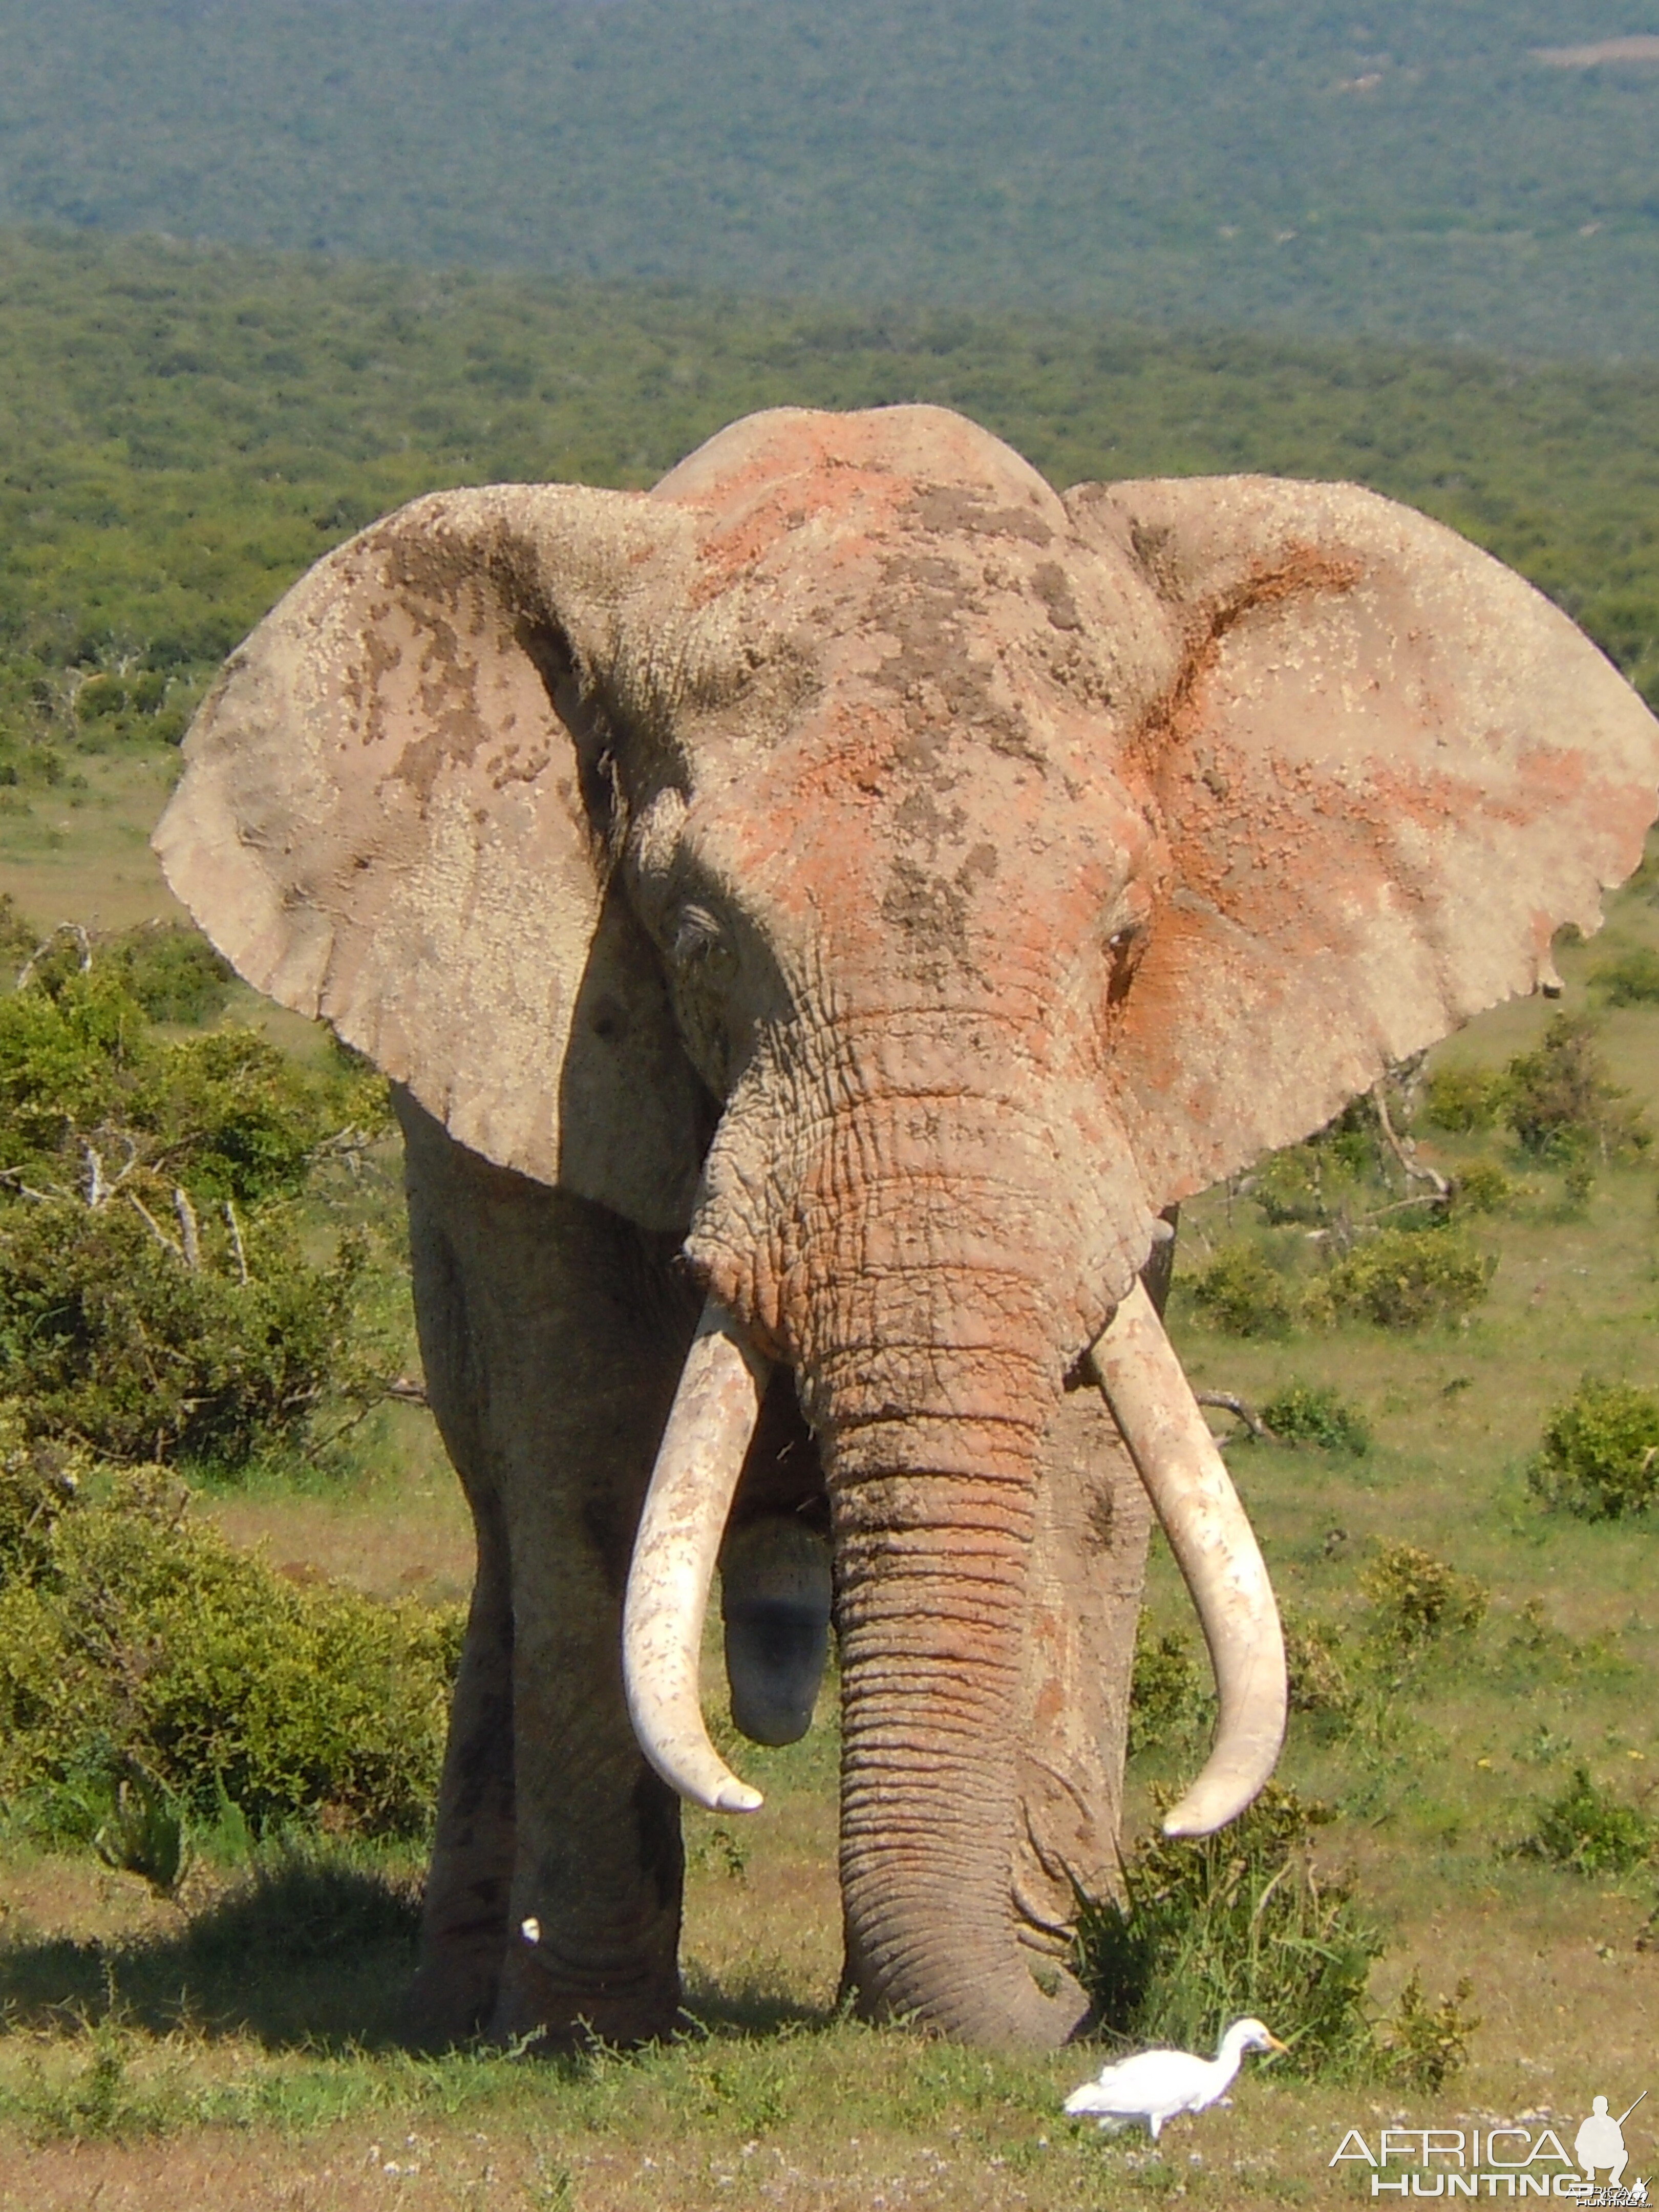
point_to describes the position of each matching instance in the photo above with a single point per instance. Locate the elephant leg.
(554, 1333)
(463, 1916)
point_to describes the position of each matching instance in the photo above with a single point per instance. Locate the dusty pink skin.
(984, 870)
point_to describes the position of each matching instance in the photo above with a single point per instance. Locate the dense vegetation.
(182, 431)
(138, 1648)
(177, 1280)
(1415, 171)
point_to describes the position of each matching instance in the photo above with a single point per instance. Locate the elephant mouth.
(714, 1414)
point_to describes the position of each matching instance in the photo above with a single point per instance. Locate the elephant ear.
(1387, 771)
(393, 818)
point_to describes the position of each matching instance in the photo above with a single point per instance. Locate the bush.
(1164, 1691)
(18, 939)
(1558, 1100)
(1481, 1186)
(1311, 1181)
(1317, 1681)
(1301, 1414)
(140, 1310)
(1426, 2044)
(1242, 1292)
(1630, 979)
(1403, 1279)
(107, 1335)
(1461, 1097)
(136, 1642)
(172, 971)
(1417, 1597)
(1241, 1922)
(1586, 1829)
(1599, 1456)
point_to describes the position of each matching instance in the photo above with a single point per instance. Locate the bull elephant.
(817, 916)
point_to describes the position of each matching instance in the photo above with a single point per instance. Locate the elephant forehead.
(921, 850)
(847, 484)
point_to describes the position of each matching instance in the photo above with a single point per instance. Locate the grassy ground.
(233, 2049)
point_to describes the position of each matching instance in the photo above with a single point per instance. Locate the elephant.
(818, 916)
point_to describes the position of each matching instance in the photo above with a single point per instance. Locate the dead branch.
(155, 1226)
(1405, 1150)
(189, 1234)
(236, 1243)
(1242, 1410)
(13, 1176)
(409, 1387)
(101, 1186)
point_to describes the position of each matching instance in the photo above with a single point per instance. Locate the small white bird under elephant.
(1155, 2085)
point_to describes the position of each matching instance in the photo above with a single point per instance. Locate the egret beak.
(1274, 2042)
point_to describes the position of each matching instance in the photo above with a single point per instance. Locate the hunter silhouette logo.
(1600, 2141)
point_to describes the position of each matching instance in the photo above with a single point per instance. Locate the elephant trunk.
(929, 1382)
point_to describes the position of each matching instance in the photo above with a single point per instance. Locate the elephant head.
(897, 885)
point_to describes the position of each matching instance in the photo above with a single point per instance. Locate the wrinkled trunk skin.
(988, 1620)
(1083, 1606)
(989, 1539)
(553, 1333)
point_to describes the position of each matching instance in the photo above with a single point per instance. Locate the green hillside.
(1416, 171)
(182, 431)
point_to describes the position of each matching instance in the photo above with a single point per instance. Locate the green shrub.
(1301, 1414)
(1242, 1292)
(1481, 1186)
(159, 1296)
(1317, 1681)
(1311, 1181)
(146, 1833)
(1240, 1922)
(1291, 1186)
(18, 937)
(1403, 1279)
(139, 1641)
(1416, 1597)
(1461, 1097)
(1164, 1690)
(1600, 1455)
(1586, 1829)
(1559, 1102)
(172, 971)
(107, 1334)
(1631, 979)
(1425, 2044)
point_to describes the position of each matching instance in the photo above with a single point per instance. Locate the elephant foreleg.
(469, 1882)
(553, 1334)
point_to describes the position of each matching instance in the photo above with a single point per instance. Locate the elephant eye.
(700, 947)
(1124, 949)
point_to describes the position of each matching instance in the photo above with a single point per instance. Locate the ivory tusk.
(1215, 1547)
(709, 1427)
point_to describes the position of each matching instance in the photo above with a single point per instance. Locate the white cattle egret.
(1155, 2085)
